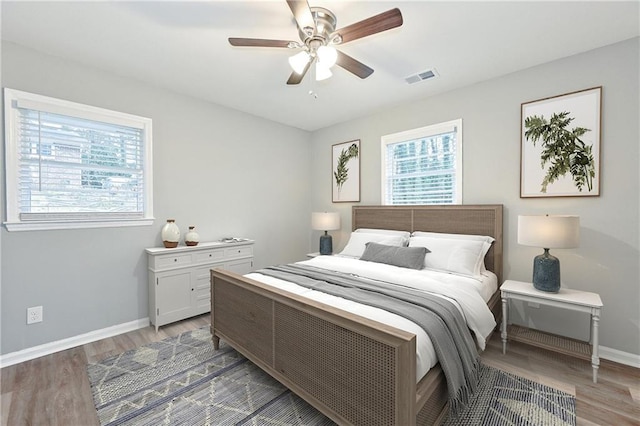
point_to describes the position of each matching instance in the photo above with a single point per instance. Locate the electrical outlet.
(34, 315)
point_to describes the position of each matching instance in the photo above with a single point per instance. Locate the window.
(75, 166)
(423, 166)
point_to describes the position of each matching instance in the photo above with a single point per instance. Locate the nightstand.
(574, 300)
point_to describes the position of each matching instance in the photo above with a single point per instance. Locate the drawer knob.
(175, 260)
(210, 255)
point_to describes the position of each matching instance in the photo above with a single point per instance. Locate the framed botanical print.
(560, 145)
(345, 171)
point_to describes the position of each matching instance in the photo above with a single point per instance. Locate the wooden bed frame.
(354, 370)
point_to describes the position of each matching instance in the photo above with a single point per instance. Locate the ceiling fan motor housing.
(325, 22)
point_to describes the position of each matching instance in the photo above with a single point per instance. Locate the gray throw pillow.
(405, 257)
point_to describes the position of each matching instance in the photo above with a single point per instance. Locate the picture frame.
(345, 172)
(560, 145)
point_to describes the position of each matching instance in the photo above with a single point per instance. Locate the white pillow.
(403, 234)
(384, 231)
(458, 256)
(356, 245)
(485, 238)
(453, 236)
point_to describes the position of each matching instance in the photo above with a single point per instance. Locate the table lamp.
(325, 222)
(548, 232)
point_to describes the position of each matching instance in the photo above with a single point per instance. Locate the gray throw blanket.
(440, 319)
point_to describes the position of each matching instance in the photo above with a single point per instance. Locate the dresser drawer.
(171, 261)
(236, 252)
(208, 256)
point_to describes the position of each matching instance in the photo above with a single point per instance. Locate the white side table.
(574, 300)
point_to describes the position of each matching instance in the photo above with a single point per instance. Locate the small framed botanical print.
(345, 171)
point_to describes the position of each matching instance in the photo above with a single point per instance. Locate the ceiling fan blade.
(302, 14)
(375, 24)
(258, 42)
(353, 66)
(296, 78)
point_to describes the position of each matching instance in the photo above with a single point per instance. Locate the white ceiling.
(182, 46)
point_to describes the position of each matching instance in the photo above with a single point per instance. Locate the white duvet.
(459, 289)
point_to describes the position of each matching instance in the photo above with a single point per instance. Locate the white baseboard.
(620, 357)
(12, 358)
(61, 345)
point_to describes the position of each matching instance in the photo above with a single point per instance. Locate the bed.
(353, 369)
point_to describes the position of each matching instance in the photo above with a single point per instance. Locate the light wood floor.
(54, 390)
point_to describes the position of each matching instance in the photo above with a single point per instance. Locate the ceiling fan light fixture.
(299, 61)
(327, 56)
(322, 72)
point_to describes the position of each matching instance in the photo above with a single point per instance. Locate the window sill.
(61, 224)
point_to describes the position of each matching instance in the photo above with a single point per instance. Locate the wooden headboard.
(481, 219)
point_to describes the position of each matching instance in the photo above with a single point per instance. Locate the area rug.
(184, 381)
(504, 399)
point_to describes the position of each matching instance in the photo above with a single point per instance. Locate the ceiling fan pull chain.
(312, 83)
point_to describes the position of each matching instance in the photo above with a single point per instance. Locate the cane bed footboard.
(354, 370)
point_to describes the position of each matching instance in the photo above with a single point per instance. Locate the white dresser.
(179, 278)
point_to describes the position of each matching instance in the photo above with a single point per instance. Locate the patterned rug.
(504, 399)
(184, 381)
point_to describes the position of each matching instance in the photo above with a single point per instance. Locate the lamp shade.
(299, 61)
(322, 73)
(325, 221)
(549, 231)
(328, 55)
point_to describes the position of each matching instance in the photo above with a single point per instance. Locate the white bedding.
(467, 293)
(486, 285)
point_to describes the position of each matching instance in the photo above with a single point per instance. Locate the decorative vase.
(191, 238)
(170, 234)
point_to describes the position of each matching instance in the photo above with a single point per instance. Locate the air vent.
(422, 76)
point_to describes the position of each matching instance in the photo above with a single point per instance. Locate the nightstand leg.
(595, 358)
(503, 333)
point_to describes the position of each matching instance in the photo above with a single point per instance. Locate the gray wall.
(215, 168)
(211, 170)
(607, 260)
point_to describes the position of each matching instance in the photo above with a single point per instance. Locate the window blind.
(73, 167)
(423, 169)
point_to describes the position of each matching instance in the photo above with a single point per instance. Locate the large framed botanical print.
(560, 145)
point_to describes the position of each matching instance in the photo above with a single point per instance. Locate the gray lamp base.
(546, 272)
(326, 244)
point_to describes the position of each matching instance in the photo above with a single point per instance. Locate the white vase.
(191, 238)
(170, 234)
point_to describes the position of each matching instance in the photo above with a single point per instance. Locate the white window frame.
(14, 98)
(424, 132)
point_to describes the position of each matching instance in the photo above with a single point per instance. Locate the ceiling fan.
(318, 35)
